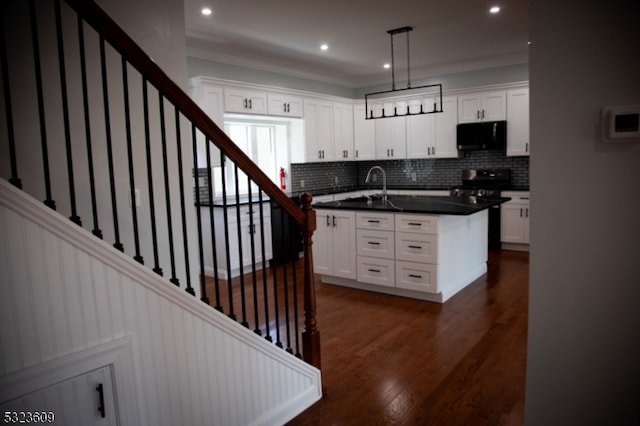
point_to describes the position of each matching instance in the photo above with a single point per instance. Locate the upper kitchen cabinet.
(245, 101)
(364, 134)
(482, 106)
(518, 142)
(390, 133)
(433, 135)
(284, 105)
(210, 99)
(318, 130)
(343, 131)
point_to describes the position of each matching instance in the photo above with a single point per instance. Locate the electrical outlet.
(414, 177)
(337, 180)
(374, 177)
(301, 183)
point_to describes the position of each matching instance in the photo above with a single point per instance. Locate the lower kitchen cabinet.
(334, 243)
(514, 221)
(417, 276)
(243, 235)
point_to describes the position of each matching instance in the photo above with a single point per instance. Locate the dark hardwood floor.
(394, 361)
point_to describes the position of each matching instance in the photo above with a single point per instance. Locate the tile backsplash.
(439, 173)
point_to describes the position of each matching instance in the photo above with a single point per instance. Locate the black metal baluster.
(65, 115)
(167, 197)
(265, 296)
(132, 185)
(49, 202)
(194, 142)
(285, 290)
(276, 304)
(14, 179)
(214, 251)
(152, 205)
(254, 281)
(183, 215)
(87, 126)
(107, 124)
(225, 215)
(243, 302)
(294, 273)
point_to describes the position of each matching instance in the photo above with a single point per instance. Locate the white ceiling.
(285, 36)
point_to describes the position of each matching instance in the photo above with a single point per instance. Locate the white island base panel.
(462, 253)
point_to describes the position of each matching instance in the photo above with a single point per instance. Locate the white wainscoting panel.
(62, 292)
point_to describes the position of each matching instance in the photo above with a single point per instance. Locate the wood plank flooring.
(389, 360)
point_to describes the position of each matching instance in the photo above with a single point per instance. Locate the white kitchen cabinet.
(390, 133)
(422, 277)
(245, 101)
(284, 105)
(334, 248)
(364, 135)
(343, 131)
(518, 142)
(242, 234)
(416, 247)
(318, 130)
(433, 135)
(482, 106)
(210, 98)
(514, 220)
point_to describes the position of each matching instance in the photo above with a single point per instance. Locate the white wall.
(584, 320)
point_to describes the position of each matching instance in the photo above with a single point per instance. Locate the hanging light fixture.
(374, 102)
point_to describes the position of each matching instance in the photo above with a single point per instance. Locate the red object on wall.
(283, 176)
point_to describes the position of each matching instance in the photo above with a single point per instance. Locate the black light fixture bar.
(437, 105)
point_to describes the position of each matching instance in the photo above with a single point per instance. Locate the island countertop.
(426, 204)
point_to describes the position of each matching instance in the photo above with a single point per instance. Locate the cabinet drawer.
(375, 243)
(424, 224)
(415, 247)
(416, 276)
(380, 221)
(377, 271)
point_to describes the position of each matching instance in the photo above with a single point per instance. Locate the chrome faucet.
(384, 182)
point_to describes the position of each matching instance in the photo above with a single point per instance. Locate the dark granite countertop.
(416, 204)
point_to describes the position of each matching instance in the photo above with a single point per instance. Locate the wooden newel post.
(310, 335)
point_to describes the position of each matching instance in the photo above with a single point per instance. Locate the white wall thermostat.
(621, 123)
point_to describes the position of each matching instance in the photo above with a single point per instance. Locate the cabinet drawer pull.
(374, 243)
(414, 224)
(328, 223)
(373, 270)
(416, 247)
(373, 221)
(415, 276)
(334, 222)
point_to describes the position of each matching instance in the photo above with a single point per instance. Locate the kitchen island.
(424, 247)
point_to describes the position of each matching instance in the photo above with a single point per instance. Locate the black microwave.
(485, 135)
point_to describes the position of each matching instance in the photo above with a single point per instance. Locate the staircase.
(102, 236)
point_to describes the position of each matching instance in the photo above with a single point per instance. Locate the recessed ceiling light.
(324, 46)
(386, 66)
(206, 11)
(494, 9)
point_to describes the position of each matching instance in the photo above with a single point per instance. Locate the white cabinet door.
(334, 248)
(445, 129)
(343, 131)
(88, 399)
(284, 105)
(363, 135)
(518, 142)
(417, 276)
(245, 101)
(318, 130)
(420, 135)
(514, 218)
(390, 134)
(482, 106)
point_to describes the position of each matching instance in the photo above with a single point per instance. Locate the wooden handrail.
(112, 33)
